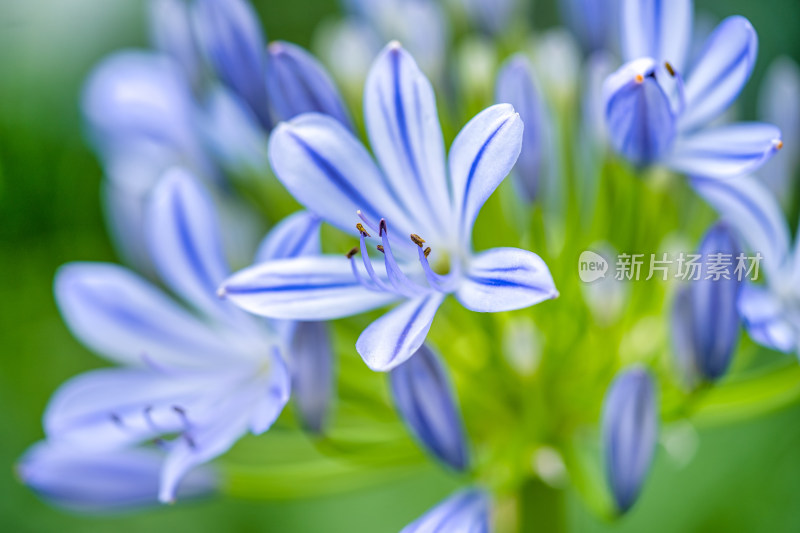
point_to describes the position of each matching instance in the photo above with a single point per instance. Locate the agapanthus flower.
(492, 16)
(420, 215)
(630, 431)
(593, 22)
(653, 116)
(466, 511)
(705, 318)
(770, 310)
(98, 481)
(192, 381)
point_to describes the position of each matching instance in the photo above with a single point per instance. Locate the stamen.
(427, 251)
(669, 68)
(639, 79)
(368, 265)
(416, 239)
(357, 274)
(353, 251)
(189, 440)
(149, 419)
(182, 414)
(399, 281)
(778, 144)
(437, 281)
(360, 228)
(366, 221)
(380, 249)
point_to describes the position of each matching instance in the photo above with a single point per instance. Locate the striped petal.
(505, 279)
(295, 236)
(720, 72)
(766, 319)
(466, 511)
(397, 335)
(306, 288)
(658, 29)
(726, 151)
(482, 155)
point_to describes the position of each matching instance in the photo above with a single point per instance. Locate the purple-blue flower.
(426, 402)
(705, 318)
(654, 116)
(466, 511)
(97, 481)
(193, 381)
(769, 310)
(593, 22)
(416, 210)
(630, 431)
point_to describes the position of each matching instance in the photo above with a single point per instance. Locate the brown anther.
(352, 252)
(778, 145)
(416, 239)
(639, 79)
(360, 227)
(380, 249)
(669, 68)
(382, 227)
(427, 251)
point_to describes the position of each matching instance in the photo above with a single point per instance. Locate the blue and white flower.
(770, 311)
(420, 214)
(653, 116)
(466, 511)
(209, 375)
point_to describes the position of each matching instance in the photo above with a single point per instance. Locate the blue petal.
(779, 104)
(184, 239)
(313, 380)
(592, 22)
(504, 279)
(233, 134)
(124, 216)
(297, 83)
(516, 85)
(630, 431)
(138, 94)
(271, 395)
(682, 334)
(97, 482)
(123, 317)
(765, 318)
(306, 288)
(109, 408)
(331, 174)
(720, 72)
(295, 236)
(659, 29)
(747, 205)
(466, 511)
(171, 32)
(427, 403)
(639, 116)
(482, 155)
(403, 127)
(397, 335)
(229, 34)
(725, 151)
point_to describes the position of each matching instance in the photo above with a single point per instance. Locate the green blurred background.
(742, 478)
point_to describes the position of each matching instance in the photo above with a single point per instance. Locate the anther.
(669, 68)
(352, 252)
(117, 420)
(380, 249)
(778, 144)
(416, 239)
(189, 441)
(639, 79)
(427, 251)
(360, 228)
(382, 227)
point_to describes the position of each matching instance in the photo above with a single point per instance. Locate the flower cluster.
(212, 328)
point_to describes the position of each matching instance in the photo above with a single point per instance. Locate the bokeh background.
(744, 477)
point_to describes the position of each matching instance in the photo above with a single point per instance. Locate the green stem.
(541, 507)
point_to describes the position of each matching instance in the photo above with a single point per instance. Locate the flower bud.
(630, 429)
(312, 366)
(427, 404)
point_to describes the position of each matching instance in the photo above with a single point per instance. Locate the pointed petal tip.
(222, 292)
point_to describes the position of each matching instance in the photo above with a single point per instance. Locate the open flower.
(654, 117)
(420, 215)
(466, 511)
(206, 377)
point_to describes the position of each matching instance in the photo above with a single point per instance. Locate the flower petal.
(297, 83)
(306, 288)
(404, 131)
(427, 403)
(313, 378)
(271, 395)
(765, 319)
(123, 317)
(466, 511)
(720, 72)
(184, 239)
(110, 481)
(230, 37)
(747, 205)
(482, 155)
(504, 279)
(657, 29)
(171, 32)
(639, 116)
(726, 151)
(331, 174)
(397, 335)
(295, 236)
